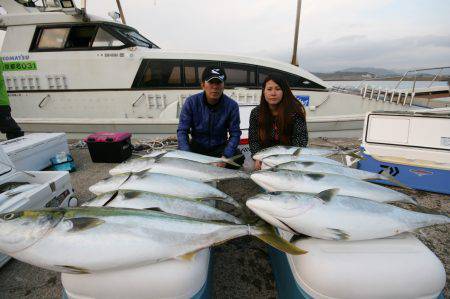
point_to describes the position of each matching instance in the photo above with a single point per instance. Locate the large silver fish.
(294, 181)
(293, 150)
(200, 158)
(163, 203)
(161, 184)
(317, 167)
(335, 217)
(90, 240)
(273, 161)
(180, 167)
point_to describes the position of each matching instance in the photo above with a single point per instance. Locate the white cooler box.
(177, 279)
(33, 151)
(55, 190)
(399, 267)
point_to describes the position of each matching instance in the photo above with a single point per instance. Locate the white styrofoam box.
(397, 267)
(174, 278)
(55, 188)
(33, 151)
(421, 138)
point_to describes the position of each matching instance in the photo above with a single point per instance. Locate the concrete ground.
(241, 266)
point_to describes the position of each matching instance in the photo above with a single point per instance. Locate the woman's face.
(273, 93)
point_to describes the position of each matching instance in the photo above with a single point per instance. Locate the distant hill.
(378, 72)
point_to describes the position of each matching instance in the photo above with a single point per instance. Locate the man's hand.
(221, 164)
(258, 165)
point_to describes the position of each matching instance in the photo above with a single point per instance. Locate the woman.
(278, 120)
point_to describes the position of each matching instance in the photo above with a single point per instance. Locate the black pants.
(8, 125)
(217, 152)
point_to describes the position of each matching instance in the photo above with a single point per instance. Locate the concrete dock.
(241, 266)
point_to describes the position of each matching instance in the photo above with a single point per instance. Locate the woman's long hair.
(287, 108)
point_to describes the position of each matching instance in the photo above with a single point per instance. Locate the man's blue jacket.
(209, 125)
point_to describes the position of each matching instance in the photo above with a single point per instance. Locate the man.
(212, 119)
(7, 123)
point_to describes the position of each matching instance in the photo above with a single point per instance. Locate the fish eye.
(9, 216)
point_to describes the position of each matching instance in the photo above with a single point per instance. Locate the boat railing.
(404, 96)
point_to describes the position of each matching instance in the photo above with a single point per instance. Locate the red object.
(107, 137)
(109, 147)
(243, 141)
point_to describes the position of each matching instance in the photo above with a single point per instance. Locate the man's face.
(213, 90)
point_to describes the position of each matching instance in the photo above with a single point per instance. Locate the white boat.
(67, 71)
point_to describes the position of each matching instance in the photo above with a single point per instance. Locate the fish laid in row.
(161, 184)
(168, 204)
(317, 167)
(93, 239)
(273, 161)
(179, 167)
(335, 217)
(294, 181)
(191, 156)
(293, 150)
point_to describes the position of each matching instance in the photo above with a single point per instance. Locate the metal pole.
(297, 24)
(122, 16)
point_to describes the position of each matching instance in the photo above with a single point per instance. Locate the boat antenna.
(122, 16)
(294, 60)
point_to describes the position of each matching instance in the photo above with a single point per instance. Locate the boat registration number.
(19, 66)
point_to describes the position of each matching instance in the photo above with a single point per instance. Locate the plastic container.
(397, 267)
(109, 147)
(62, 162)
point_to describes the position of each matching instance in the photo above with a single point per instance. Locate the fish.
(133, 166)
(97, 239)
(163, 203)
(8, 195)
(273, 161)
(294, 181)
(200, 158)
(293, 150)
(181, 167)
(317, 167)
(335, 217)
(163, 184)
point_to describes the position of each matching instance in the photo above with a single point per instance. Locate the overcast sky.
(334, 34)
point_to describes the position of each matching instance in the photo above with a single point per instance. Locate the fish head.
(279, 209)
(109, 184)
(267, 179)
(21, 229)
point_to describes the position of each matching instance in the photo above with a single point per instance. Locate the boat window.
(193, 70)
(162, 73)
(294, 81)
(134, 37)
(81, 36)
(239, 74)
(104, 39)
(53, 38)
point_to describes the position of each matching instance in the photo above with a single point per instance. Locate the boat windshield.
(135, 38)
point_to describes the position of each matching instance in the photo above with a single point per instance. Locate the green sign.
(26, 65)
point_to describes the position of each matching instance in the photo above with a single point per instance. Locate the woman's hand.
(258, 165)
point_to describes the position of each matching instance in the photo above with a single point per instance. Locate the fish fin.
(339, 234)
(298, 152)
(130, 194)
(188, 256)
(327, 195)
(315, 176)
(385, 173)
(307, 164)
(84, 223)
(155, 209)
(231, 160)
(71, 269)
(268, 235)
(352, 153)
(425, 210)
(298, 237)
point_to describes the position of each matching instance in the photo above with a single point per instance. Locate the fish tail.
(385, 175)
(267, 234)
(231, 160)
(233, 202)
(352, 153)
